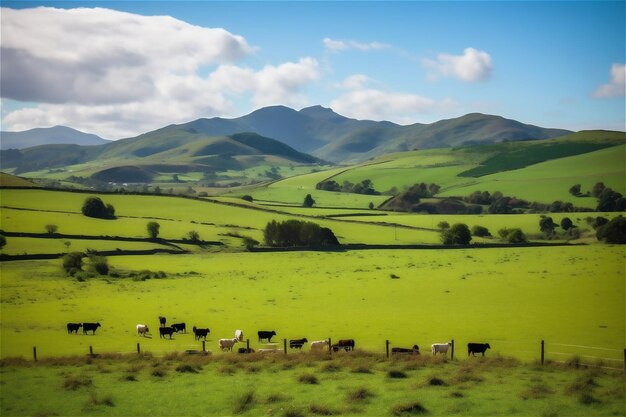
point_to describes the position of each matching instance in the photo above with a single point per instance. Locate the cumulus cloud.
(341, 45)
(363, 101)
(616, 87)
(119, 74)
(472, 66)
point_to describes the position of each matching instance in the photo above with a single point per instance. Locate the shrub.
(480, 231)
(614, 231)
(95, 207)
(458, 234)
(248, 198)
(308, 201)
(73, 262)
(547, 225)
(51, 229)
(250, 242)
(443, 225)
(100, 264)
(3, 241)
(153, 229)
(192, 236)
(566, 223)
(515, 236)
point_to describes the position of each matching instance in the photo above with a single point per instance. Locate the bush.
(614, 231)
(250, 242)
(480, 231)
(512, 235)
(247, 198)
(566, 223)
(51, 229)
(458, 234)
(308, 201)
(547, 225)
(443, 225)
(73, 262)
(153, 229)
(192, 236)
(95, 207)
(3, 241)
(100, 264)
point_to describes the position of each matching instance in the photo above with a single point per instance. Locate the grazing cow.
(345, 344)
(415, 350)
(142, 329)
(162, 321)
(245, 350)
(90, 327)
(319, 345)
(179, 327)
(227, 344)
(440, 348)
(164, 331)
(477, 348)
(239, 335)
(297, 343)
(73, 327)
(266, 335)
(200, 333)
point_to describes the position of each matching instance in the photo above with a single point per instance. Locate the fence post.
(204, 346)
(247, 345)
(91, 350)
(452, 353)
(330, 351)
(387, 347)
(35, 352)
(138, 349)
(285, 345)
(543, 345)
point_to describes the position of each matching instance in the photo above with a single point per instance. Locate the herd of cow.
(264, 335)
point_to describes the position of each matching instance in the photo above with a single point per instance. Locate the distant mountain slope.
(48, 136)
(7, 180)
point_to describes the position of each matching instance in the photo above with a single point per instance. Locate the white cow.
(440, 348)
(319, 345)
(239, 335)
(142, 329)
(227, 344)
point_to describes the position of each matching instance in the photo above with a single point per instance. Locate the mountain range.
(48, 136)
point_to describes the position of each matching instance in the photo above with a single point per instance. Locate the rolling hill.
(57, 135)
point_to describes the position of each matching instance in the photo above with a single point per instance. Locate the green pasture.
(276, 386)
(512, 298)
(27, 245)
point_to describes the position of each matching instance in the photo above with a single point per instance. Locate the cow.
(345, 344)
(245, 350)
(297, 343)
(263, 334)
(200, 333)
(239, 335)
(179, 327)
(162, 321)
(415, 350)
(227, 344)
(440, 348)
(319, 345)
(73, 327)
(164, 331)
(90, 327)
(142, 329)
(477, 348)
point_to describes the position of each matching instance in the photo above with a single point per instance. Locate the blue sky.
(116, 70)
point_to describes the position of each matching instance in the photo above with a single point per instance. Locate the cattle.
(73, 327)
(142, 329)
(440, 348)
(162, 321)
(90, 327)
(415, 350)
(345, 344)
(477, 348)
(297, 343)
(245, 350)
(263, 334)
(239, 335)
(319, 345)
(179, 327)
(200, 333)
(164, 331)
(227, 344)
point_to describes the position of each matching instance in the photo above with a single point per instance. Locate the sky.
(119, 69)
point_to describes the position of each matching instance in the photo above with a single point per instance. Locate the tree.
(94, 207)
(597, 189)
(442, 225)
(51, 229)
(298, 233)
(610, 200)
(308, 201)
(100, 264)
(566, 223)
(371, 205)
(73, 262)
(193, 236)
(480, 231)
(153, 229)
(575, 190)
(458, 234)
(247, 198)
(614, 231)
(515, 236)
(3, 241)
(547, 225)
(250, 242)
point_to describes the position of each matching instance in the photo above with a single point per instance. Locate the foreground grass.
(301, 385)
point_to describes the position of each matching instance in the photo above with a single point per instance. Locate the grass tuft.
(412, 408)
(436, 382)
(587, 399)
(74, 382)
(396, 374)
(294, 412)
(185, 368)
(159, 372)
(96, 400)
(536, 391)
(308, 379)
(276, 398)
(322, 410)
(359, 395)
(244, 402)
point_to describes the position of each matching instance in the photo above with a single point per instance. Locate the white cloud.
(617, 86)
(472, 66)
(365, 102)
(341, 45)
(119, 74)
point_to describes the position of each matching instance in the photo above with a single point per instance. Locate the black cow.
(297, 343)
(477, 348)
(415, 350)
(245, 350)
(162, 321)
(200, 333)
(345, 344)
(90, 327)
(163, 331)
(179, 327)
(266, 335)
(73, 327)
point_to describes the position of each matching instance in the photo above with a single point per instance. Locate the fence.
(543, 351)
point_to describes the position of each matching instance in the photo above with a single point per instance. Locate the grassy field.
(299, 385)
